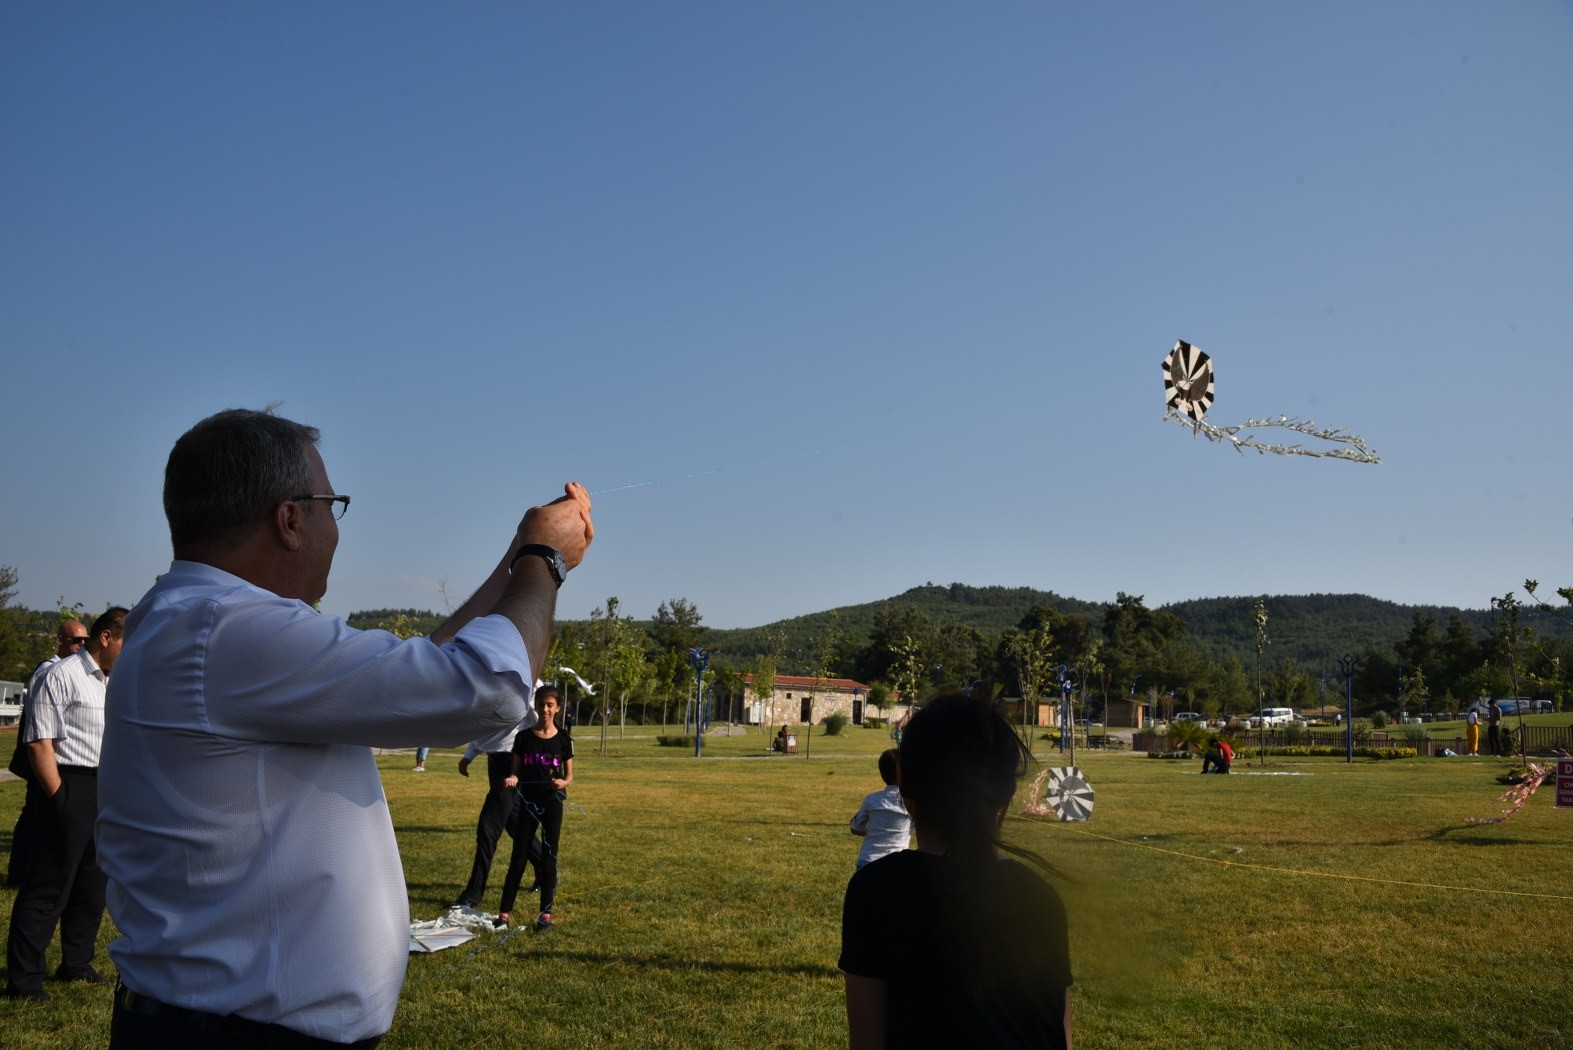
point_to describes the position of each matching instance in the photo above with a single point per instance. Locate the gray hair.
(229, 471)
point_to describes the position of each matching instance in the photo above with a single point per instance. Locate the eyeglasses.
(75, 641)
(340, 503)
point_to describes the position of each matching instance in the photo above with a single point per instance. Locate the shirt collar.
(90, 664)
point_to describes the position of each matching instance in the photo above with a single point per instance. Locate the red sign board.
(1565, 782)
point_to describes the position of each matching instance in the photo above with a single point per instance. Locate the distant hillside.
(988, 609)
(1311, 629)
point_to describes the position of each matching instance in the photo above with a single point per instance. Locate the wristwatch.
(553, 556)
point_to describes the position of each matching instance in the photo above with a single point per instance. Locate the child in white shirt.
(882, 819)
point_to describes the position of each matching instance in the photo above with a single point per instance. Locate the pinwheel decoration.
(1066, 796)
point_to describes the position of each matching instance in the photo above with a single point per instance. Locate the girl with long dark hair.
(955, 944)
(542, 771)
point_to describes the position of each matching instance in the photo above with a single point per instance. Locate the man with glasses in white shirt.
(63, 884)
(253, 872)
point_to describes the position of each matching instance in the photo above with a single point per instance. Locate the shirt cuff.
(495, 642)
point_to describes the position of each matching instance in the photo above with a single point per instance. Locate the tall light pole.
(1347, 673)
(1067, 711)
(700, 659)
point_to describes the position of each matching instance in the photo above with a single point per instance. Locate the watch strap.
(553, 556)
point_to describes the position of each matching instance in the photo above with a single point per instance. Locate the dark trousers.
(24, 843)
(546, 814)
(145, 1024)
(63, 884)
(499, 811)
(24, 839)
(1494, 739)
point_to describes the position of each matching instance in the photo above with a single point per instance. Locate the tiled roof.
(788, 681)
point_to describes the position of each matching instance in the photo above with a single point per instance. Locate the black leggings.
(547, 814)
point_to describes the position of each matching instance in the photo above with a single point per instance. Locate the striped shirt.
(38, 676)
(67, 706)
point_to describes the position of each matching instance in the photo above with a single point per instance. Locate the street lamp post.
(700, 659)
(1347, 673)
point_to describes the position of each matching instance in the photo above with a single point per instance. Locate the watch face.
(559, 566)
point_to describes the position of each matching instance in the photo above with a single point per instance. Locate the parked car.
(1513, 706)
(1274, 716)
(1189, 716)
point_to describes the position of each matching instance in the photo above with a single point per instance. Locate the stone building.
(803, 701)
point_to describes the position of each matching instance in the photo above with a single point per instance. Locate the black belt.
(274, 1036)
(85, 771)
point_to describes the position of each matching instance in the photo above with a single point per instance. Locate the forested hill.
(1314, 629)
(989, 610)
(1310, 629)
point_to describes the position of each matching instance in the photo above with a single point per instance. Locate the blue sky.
(910, 268)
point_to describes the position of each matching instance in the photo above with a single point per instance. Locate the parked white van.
(1514, 705)
(1274, 716)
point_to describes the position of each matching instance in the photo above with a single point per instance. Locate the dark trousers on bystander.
(62, 885)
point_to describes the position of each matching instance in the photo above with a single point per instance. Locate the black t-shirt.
(544, 761)
(888, 932)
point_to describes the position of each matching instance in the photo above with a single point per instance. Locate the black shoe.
(87, 976)
(460, 903)
(34, 995)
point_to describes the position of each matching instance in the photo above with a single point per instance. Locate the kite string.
(1357, 452)
(884, 437)
(734, 466)
(1315, 874)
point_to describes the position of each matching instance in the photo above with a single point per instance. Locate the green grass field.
(1345, 906)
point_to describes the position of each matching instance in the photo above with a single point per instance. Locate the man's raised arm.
(527, 595)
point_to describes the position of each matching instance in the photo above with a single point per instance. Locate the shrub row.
(1309, 751)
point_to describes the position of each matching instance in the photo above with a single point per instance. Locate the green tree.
(892, 632)
(1138, 640)
(1288, 685)
(676, 629)
(824, 655)
(907, 671)
(1031, 651)
(1460, 656)
(1421, 649)
(1228, 688)
(765, 677)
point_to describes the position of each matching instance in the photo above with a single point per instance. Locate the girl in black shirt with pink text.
(542, 771)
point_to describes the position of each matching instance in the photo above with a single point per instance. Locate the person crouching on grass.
(882, 819)
(953, 944)
(542, 771)
(1219, 756)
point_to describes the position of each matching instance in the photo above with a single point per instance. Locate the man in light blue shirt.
(253, 871)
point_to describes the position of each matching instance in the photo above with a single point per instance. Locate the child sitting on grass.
(882, 819)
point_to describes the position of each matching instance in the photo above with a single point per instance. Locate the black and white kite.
(1188, 381)
(1188, 391)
